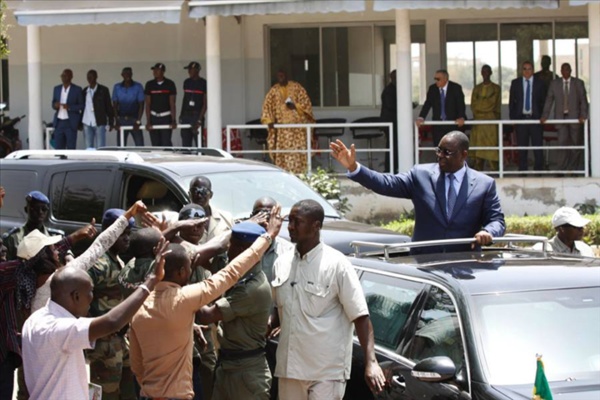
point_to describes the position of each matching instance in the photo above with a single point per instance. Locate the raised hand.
(345, 156)
(275, 221)
(160, 251)
(87, 232)
(137, 208)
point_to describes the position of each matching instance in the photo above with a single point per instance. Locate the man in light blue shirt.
(128, 102)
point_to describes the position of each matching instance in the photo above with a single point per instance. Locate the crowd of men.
(95, 111)
(532, 98)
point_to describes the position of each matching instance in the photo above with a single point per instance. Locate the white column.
(405, 131)
(34, 85)
(213, 77)
(594, 33)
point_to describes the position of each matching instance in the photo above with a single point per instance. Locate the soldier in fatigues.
(242, 371)
(109, 360)
(141, 247)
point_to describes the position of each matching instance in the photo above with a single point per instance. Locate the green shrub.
(529, 225)
(327, 186)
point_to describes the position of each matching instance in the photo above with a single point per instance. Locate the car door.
(400, 309)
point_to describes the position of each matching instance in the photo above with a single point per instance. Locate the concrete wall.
(518, 196)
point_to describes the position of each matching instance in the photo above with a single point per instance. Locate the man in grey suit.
(451, 200)
(570, 102)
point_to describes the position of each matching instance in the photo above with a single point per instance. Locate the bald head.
(72, 288)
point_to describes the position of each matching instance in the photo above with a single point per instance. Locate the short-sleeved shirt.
(107, 289)
(194, 91)
(245, 309)
(278, 247)
(53, 361)
(557, 246)
(159, 94)
(318, 296)
(128, 98)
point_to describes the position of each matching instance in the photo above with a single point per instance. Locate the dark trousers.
(189, 135)
(7, 377)
(440, 130)
(161, 137)
(65, 137)
(535, 134)
(138, 136)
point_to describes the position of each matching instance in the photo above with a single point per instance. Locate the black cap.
(160, 66)
(193, 65)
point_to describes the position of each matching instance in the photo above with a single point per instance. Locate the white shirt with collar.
(64, 95)
(89, 118)
(528, 112)
(53, 360)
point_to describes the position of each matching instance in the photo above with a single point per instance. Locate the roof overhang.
(203, 8)
(386, 5)
(57, 13)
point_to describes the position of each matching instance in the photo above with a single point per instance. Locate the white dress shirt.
(89, 118)
(64, 95)
(53, 360)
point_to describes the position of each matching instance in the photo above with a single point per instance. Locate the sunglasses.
(445, 152)
(191, 213)
(200, 191)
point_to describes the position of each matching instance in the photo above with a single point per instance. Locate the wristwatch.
(268, 237)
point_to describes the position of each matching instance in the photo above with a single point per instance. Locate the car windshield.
(236, 192)
(562, 325)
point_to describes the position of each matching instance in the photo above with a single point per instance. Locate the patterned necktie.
(443, 103)
(528, 97)
(566, 98)
(451, 195)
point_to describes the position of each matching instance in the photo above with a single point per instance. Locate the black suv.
(81, 184)
(469, 325)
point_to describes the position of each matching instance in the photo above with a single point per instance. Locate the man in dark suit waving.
(67, 100)
(448, 102)
(450, 199)
(526, 102)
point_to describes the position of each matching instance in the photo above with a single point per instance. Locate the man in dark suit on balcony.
(526, 102)
(67, 100)
(448, 102)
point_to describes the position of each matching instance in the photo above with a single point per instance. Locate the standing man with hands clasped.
(128, 101)
(160, 106)
(451, 200)
(193, 107)
(67, 100)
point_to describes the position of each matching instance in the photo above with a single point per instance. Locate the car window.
(17, 184)
(438, 331)
(79, 195)
(156, 195)
(389, 300)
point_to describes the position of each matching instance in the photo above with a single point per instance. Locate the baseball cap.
(111, 215)
(160, 66)
(247, 232)
(193, 64)
(570, 216)
(33, 243)
(37, 196)
(190, 211)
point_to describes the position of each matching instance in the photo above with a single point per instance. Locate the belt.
(527, 116)
(230, 355)
(160, 114)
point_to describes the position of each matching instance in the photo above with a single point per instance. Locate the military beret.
(111, 215)
(247, 232)
(37, 196)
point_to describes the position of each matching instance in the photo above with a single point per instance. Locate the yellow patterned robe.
(275, 111)
(485, 104)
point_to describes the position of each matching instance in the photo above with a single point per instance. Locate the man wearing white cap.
(569, 226)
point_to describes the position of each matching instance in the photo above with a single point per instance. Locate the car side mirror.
(434, 369)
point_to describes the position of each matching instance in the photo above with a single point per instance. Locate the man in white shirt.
(569, 225)
(97, 113)
(67, 100)
(318, 298)
(55, 335)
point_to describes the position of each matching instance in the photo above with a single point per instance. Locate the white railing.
(309, 128)
(501, 148)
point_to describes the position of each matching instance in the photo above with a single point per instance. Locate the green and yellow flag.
(541, 388)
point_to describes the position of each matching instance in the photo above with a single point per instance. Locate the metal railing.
(309, 128)
(501, 148)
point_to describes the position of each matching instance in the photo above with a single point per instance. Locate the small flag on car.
(541, 388)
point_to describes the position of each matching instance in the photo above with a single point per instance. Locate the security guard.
(36, 207)
(160, 106)
(193, 107)
(109, 360)
(242, 371)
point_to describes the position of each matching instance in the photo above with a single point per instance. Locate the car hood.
(340, 233)
(573, 390)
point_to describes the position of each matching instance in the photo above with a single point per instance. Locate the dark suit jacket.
(577, 101)
(516, 100)
(74, 101)
(103, 109)
(477, 206)
(389, 104)
(455, 103)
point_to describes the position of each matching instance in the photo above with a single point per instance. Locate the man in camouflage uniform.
(141, 247)
(109, 360)
(242, 371)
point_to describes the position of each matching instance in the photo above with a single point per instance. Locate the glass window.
(297, 52)
(573, 47)
(17, 184)
(82, 196)
(563, 325)
(438, 331)
(389, 301)
(4, 86)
